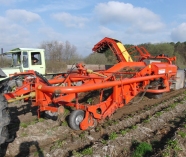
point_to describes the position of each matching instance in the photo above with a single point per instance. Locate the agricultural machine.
(91, 95)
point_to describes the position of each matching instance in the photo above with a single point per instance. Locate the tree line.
(171, 49)
(59, 54)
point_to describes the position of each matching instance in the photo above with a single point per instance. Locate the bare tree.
(59, 54)
(53, 49)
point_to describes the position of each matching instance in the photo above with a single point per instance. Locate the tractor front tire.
(4, 120)
(75, 118)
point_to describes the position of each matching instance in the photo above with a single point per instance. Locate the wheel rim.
(78, 119)
(52, 114)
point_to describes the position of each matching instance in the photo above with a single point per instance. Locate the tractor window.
(16, 59)
(25, 59)
(36, 58)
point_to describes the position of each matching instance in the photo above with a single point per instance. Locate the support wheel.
(4, 120)
(51, 115)
(75, 118)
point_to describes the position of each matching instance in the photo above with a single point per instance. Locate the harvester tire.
(154, 96)
(76, 118)
(12, 84)
(51, 115)
(4, 120)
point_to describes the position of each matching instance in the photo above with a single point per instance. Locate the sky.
(28, 23)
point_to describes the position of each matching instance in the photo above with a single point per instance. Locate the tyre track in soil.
(143, 131)
(175, 143)
(75, 140)
(122, 125)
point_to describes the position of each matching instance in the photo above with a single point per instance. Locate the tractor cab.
(24, 59)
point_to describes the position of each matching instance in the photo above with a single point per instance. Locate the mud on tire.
(4, 120)
(11, 85)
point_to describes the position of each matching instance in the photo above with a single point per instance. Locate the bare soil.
(154, 121)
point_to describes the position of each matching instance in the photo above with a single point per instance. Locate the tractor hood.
(2, 74)
(5, 72)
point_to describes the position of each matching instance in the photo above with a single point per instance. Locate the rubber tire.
(51, 115)
(73, 119)
(4, 120)
(154, 96)
(11, 84)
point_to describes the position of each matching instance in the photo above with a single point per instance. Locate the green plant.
(74, 153)
(57, 144)
(24, 125)
(82, 135)
(173, 144)
(38, 152)
(123, 132)
(33, 122)
(113, 136)
(142, 149)
(104, 141)
(41, 119)
(134, 127)
(90, 101)
(146, 120)
(173, 105)
(24, 134)
(184, 98)
(158, 114)
(98, 128)
(182, 134)
(64, 123)
(165, 153)
(87, 151)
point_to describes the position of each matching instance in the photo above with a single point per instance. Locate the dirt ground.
(157, 125)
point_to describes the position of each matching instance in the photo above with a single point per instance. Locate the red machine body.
(116, 86)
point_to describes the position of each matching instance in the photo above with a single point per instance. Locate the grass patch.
(158, 114)
(38, 152)
(33, 122)
(113, 136)
(57, 144)
(87, 151)
(182, 134)
(24, 125)
(142, 149)
(171, 145)
(123, 132)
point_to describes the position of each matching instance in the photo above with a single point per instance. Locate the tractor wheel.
(76, 118)
(154, 96)
(4, 120)
(11, 85)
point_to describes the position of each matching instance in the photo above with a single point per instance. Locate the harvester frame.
(123, 81)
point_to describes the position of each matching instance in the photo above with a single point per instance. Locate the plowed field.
(150, 128)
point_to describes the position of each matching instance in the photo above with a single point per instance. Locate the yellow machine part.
(124, 52)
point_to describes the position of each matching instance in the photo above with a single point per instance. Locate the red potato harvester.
(116, 86)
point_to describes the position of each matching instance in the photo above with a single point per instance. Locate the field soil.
(149, 128)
